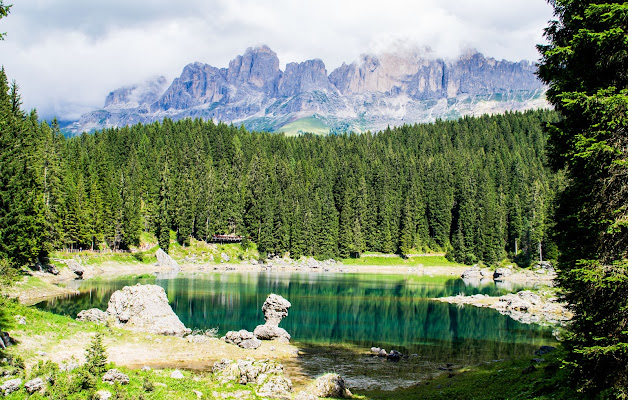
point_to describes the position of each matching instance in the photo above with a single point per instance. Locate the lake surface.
(336, 318)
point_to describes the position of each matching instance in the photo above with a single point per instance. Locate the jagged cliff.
(368, 94)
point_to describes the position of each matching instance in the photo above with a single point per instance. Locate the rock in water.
(501, 273)
(275, 309)
(145, 308)
(472, 273)
(164, 260)
(270, 332)
(92, 315)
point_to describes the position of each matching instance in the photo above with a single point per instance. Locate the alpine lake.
(336, 318)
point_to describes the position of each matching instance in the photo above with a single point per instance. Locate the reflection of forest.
(373, 310)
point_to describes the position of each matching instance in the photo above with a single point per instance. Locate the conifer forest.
(477, 188)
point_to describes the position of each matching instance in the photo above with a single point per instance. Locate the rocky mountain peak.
(136, 95)
(302, 77)
(399, 86)
(258, 67)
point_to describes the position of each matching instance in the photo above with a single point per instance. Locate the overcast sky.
(67, 55)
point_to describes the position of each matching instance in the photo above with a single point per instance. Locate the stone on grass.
(10, 386)
(330, 385)
(247, 371)
(275, 387)
(113, 375)
(176, 374)
(34, 385)
(103, 395)
(76, 267)
(305, 395)
(93, 315)
(6, 340)
(68, 366)
(242, 338)
(145, 308)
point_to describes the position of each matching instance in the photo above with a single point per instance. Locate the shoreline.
(56, 285)
(49, 286)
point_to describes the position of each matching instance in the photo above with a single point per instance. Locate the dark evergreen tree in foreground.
(586, 66)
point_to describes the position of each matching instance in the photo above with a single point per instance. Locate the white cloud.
(67, 55)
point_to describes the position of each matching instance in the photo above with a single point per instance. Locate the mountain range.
(371, 93)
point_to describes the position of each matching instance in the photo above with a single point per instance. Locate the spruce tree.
(585, 66)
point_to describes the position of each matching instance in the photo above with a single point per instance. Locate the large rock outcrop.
(164, 260)
(275, 308)
(145, 308)
(368, 94)
(266, 376)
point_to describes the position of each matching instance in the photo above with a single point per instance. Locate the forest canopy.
(476, 188)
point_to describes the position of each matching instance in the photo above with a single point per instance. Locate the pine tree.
(585, 66)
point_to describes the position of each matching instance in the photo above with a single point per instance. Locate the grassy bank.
(519, 379)
(395, 260)
(48, 343)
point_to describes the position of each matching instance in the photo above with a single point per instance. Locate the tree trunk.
(540, 253)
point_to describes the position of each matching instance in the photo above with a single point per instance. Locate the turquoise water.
(336, 318)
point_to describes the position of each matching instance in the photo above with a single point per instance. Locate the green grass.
(493, 381)
(305, 125)
(425, 261)
(56, 328)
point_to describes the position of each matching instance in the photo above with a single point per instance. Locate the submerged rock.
(145, 308)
